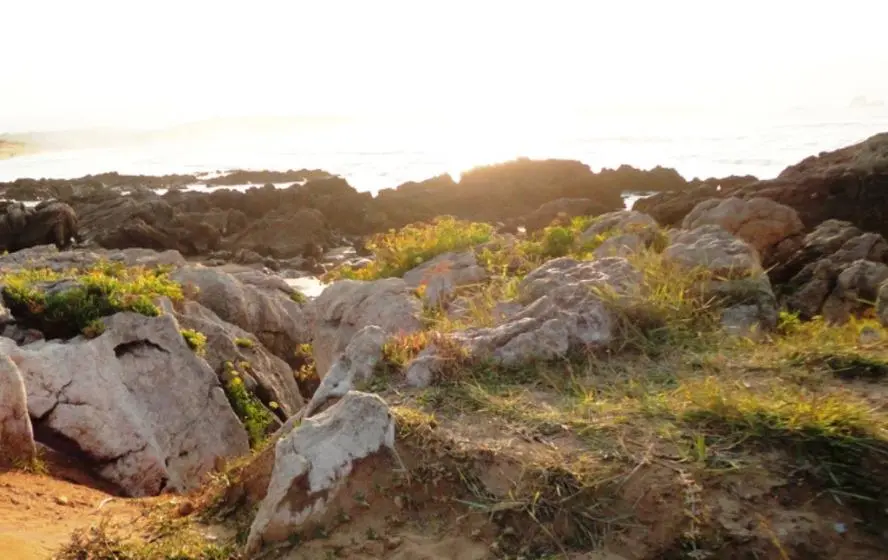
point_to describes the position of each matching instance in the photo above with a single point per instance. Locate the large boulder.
(567, 308)
(713, 249)
(442, 275)
(347, 306)
(136, 402)
(730, 273)
(761, 222)
(312, 465)
(270, 378)
(268, 312)
(16, 435)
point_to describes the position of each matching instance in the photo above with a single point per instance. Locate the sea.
(373, 154)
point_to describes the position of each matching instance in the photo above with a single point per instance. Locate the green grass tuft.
(397, 252)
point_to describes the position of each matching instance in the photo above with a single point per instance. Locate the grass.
(397, 252)
(96, 292)
(254, 416)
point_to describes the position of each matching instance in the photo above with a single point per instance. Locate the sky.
(139, 63)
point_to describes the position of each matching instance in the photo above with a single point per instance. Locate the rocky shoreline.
(169, 342)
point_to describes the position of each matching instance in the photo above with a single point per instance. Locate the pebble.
(62, 500)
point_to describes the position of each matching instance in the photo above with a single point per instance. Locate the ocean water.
(377, 154)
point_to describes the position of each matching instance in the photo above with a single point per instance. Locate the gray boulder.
(347, 306)
(136, 401)
(313, 463)
(442, 275)
(267, 376)
(256, 305)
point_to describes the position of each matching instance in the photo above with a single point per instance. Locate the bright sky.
(101, 62)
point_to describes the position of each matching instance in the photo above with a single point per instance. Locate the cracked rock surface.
(136, 402)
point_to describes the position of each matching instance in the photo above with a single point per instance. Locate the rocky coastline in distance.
(291, 229)
(198, 216)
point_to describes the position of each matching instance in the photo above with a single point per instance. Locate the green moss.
(196, 340)
(298, 297)
(100, 291)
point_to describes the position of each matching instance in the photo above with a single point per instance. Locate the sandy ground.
(38, 513)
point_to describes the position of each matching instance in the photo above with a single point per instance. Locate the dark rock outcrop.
(849, 184)
(50, 222)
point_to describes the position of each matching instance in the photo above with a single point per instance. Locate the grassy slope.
(682, 444)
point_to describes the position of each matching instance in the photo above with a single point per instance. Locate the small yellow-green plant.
(298, 297)
(100, 291)
(196, 340)
(397, 252)
(254, 416)
(243, 342)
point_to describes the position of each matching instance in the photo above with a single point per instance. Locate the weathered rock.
(16, 434)
(713, 249)
(136, 401)
(811, 275)
(855, 291)
(354, 367)
(47, 256)
(882, 304)
(347, 306)
(761, 222)
(313, 462)
(568, 310)
(749, 307)
(442, 275)
(622, 221)
(267, 376)
(626, 232)
(268, 312)
(614, 274)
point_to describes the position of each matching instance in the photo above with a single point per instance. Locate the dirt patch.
(39, 512)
